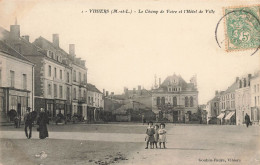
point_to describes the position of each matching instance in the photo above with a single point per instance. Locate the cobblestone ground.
(186, 144)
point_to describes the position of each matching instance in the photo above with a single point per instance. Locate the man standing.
(28, 123)
(247, 120)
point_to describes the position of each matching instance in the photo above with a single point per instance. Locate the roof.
(232, 88)
(38, 41)
(8, 50)
(92, 88)
(27, 48)
(180, 82)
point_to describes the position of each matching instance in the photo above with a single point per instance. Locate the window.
(158, 102)
(61, 92)
(74, 76)
(255, 101)
(80, 77)
(163, 100)
(74, 94)
(49, 89)
(24, 81)
(68, 77)
(255, 88)
(85, 78)
(174, 101)
(61, 74)
(240, 83)
(55, 72)
(186, 101)
(49, 71)
(191, 101)
(0, 80)
(55, 90)
(84, 96)
(244, 82)
(68, 93)
(79, 93)
(12, 78)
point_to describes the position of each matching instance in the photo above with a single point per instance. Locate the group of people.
(42, 121)
(155, 135)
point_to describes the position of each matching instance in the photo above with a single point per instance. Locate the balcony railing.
(83, 84)
(82, 100)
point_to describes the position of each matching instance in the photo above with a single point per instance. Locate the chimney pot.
(55, 40)
(26, 37)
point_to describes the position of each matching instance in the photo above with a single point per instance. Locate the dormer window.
(59, 59)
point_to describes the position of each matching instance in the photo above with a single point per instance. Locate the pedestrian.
(162, 135)
(28, 122)
(156, 135)
(247, 120)
(42, 121)
(149, 135)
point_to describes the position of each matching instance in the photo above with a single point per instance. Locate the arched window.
(163, 100)
(186, 101)
(174, 101)
(158, 101)
(191, 101)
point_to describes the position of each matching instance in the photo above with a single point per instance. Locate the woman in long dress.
(42, 121)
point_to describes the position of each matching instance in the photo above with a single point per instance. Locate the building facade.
(95, 100)
(213, 109)
(227, 105)
(243, 99)
(16, 81)
(255, 99)
(175, 99)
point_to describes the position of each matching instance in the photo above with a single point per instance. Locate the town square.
(110, 82)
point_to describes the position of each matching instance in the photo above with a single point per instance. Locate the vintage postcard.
(151, 82)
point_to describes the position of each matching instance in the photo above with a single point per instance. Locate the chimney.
(55, 40)
(134, 91)
(159, 82)
(107, 93)
(26, 37)
(104, 92)
(237, 79)
(139, 88)
(72, 49)
(216, 92)
(15, 31)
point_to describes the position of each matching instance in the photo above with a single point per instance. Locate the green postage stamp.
(242, 27)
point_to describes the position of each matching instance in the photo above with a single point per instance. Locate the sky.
(127, 50)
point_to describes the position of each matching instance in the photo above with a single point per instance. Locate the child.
(156, 136)
(150, 135)
(162, 135)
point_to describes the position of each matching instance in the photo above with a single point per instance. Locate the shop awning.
(229, 115)
(221, 115)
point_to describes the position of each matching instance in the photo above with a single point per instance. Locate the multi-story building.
(95, 103)
(16, 73)
(53, 77)
(65, 78)
(79, 84)
(243, 99)
(255, 98)
(227, 105)
(175, 99)
(212, 108)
